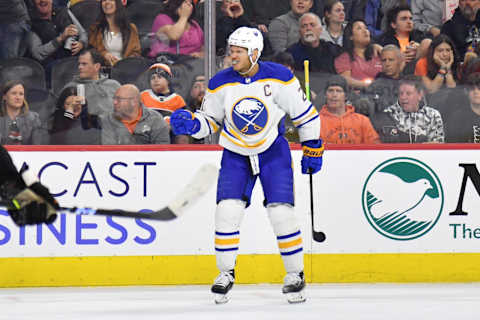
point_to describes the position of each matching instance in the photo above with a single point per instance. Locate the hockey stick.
(204, 177)
(318, 236)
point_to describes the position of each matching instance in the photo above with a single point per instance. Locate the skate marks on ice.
(349, 302)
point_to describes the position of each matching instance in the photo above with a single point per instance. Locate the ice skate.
(293, 287)
(222, 285)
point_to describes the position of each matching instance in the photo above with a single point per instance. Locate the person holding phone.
(72, 124)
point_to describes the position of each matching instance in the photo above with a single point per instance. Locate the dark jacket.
(389, 38)
(84, 130)
(463, 32)
(321, 58)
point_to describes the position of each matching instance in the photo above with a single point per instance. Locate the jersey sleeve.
(210, 115)
(292, 99)
(8, 171)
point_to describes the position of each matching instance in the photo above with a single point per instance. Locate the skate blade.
(296, 297)
(221, 298)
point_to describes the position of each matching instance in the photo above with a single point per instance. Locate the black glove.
(33, 213)
(43, 192)
(33, 205)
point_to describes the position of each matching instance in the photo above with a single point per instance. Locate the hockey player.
(31, 202)
(250, 100)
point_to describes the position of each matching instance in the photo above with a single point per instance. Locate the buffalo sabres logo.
(250, 115)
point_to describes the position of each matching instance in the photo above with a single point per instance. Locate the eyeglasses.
(116, 98)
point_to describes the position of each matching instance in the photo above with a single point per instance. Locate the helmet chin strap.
(253, 63)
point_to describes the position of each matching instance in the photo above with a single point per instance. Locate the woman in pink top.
(358, 64)
(176, 31)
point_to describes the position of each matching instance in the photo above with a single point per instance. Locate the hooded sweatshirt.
(350, 127)
(98, 93)
(396, 125)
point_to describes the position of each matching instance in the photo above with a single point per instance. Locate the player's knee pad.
(229, 215)
(282, 218)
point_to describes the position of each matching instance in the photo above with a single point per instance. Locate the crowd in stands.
(83, 72)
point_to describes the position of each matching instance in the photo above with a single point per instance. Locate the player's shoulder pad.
(224, 77)
(276, 71)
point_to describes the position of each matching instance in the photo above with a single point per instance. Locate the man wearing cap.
(160, 96)
(340, 123)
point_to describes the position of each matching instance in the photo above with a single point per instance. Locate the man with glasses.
(132, 123)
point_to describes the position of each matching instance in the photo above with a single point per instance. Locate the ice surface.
(250, 302)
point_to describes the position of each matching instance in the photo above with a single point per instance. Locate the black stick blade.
(319, 236)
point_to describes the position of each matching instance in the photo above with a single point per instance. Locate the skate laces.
(292, 278)
(224, 278)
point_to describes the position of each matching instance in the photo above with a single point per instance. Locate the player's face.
(404, 22)
(409, 97)
(240, 59)
(158, 83)
(15, 97)
(391, 63)
(474, 96)
(335, 97)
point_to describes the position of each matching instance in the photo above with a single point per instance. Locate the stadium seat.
(42, 102)
(63, 72)
(127, 70)
(29, 71)
(142, 13)
(87, 12)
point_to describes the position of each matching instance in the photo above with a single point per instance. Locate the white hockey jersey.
(249, 110)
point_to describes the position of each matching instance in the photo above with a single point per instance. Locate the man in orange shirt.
(340, 124)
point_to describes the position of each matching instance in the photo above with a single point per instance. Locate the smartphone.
(81, 92)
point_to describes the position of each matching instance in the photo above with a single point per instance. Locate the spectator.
(14, 28)
(320, 53)
(113, 36)
(72, 124)
(194, 102)
(351, 11)
(439, 68)
(462, 123)
(383, 91)
(160, 97)
(340, 123)
(284, 30)
(261, 13)
(409, 120)
(463, 28)
(176, 31)
(54, 35)
(197, 92)
(427, 15)
(401, 32)
(232, 17)
(19, 125)
(358, 64)
(99, 90)
(334, 16)
(375, 14)
(132, 123)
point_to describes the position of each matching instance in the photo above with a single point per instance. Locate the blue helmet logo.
(250, 115)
